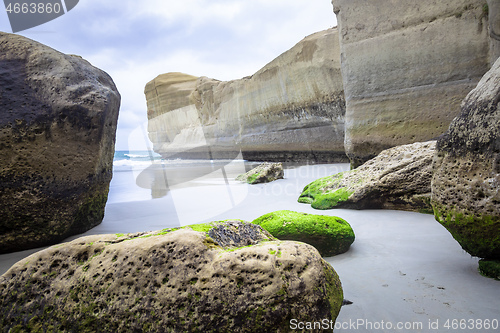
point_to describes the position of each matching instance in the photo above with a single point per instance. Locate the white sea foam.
(134, 164)
(137, 156)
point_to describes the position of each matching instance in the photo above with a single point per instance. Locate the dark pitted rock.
(398, 178)
(57, 135)
(490, 268)
(264, 173)
(238, 233)
(330, 235)
(466, 180)
(168, 281)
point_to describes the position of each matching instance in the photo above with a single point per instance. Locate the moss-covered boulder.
(466, 179)
(490, 268)
(264, 173)
(329, 234)
(398, 178)
(174, 280)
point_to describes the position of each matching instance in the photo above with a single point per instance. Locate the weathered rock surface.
(406, 68)
(465, 184)
(490, 268)
(398, 178)
(264, 173)
(494, 26)
(57, 135)
(170, 281)
(292, 109)
(330, 235)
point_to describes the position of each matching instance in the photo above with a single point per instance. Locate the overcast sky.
(136, 40)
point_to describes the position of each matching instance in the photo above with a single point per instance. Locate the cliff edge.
(291, 109)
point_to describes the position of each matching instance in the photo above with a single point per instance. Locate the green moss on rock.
(490, 268)
(91, 211)
(333, 289)
(322, 194)
(264, 173)
(332, 199)
(478, 235)
(168, 283)
(330, 235)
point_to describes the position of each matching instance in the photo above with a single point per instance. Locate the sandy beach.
(404, 272)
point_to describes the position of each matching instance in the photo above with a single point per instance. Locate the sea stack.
(57, 135)
(291, 109)
(406, 67)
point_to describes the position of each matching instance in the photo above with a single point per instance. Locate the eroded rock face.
(466, 181)
(292, 109)
(398, 178)
(264, 173)
(406, 68)
(57, 135)
(178, 281)
(494, 26)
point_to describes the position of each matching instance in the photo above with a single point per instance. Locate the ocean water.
(144, 175)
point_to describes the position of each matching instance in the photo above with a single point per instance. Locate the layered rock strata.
(57, 135)
(466, 180)
(398, 178)
(292, 109)
(406, 68)
(171, 281)
(494, 26)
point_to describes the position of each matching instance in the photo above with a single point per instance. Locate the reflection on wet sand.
(162, 177)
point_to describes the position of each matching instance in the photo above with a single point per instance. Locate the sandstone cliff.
(293, 108)
(57, 135)
(407, 66)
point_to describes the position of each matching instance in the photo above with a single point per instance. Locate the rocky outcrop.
(170, 281)
(264, 173)
(494, 26)
(490, 268)
(330, 235)
(398, 178)
(57, 135)
(292, 109)
(466, 180)
(406, 68)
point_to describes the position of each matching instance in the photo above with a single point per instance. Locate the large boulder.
(57, 135)
(406, 66)
(466, 181)
(171, 281)
(291, 109)
(264, 173)
(330, 235)
(398, 178)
